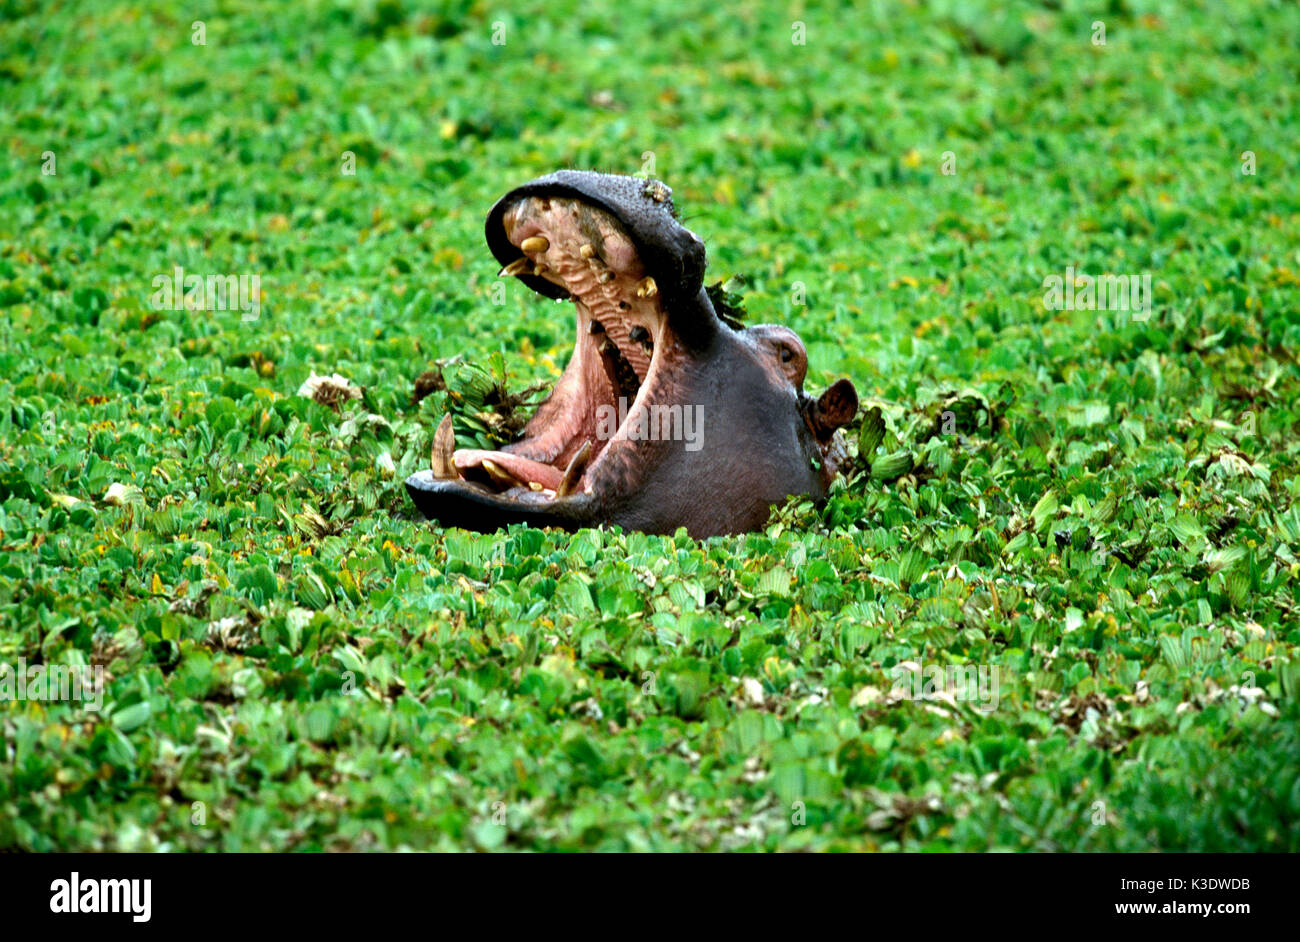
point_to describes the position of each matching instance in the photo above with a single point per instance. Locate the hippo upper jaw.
(644, 212)
(665, 416)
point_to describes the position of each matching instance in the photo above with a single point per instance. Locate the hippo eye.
(786, 354)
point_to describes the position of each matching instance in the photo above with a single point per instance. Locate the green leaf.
(1044, 511)
(131, 717)
(1188, 531)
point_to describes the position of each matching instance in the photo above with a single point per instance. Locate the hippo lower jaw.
(665, 416)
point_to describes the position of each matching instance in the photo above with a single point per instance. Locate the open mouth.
(622, 340)
(620, 439)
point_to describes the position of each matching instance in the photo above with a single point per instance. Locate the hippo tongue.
(501, 467)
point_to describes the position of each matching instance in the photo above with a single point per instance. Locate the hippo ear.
(836, 407)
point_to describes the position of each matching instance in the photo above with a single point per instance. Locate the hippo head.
(667, 415)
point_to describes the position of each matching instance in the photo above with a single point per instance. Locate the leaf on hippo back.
(485, 413)
(870, 433)
(470, 383)
(727, 302)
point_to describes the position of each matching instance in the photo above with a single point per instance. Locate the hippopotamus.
(670, 413)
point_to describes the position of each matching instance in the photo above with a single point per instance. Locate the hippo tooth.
(639, 334)
(647, 288)
(444, 446)
(534, 244)
(606, 277)
(515, 267)
(587, 250)
(595, 327)
(573, 473)
(499, 474)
